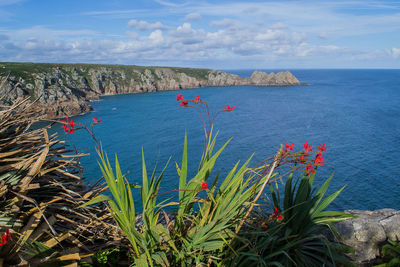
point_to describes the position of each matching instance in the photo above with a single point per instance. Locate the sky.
(206, 34)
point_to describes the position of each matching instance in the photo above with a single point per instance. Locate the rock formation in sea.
(68, 88)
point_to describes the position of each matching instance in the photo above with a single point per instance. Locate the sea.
(354, 112)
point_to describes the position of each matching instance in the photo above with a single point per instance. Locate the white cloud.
(271, 35)
(186, 35)
(156, 37)
(223, 23)
(181, 44)
(246, 32)
(395, 52)
(142, 25)
(278, 26)
(193, 16)
(132, 35)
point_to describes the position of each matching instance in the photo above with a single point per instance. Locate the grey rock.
(366, 233)
(272, 79)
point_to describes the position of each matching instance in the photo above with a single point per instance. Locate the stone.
(368, 231)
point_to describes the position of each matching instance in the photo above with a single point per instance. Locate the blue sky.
(211, 34)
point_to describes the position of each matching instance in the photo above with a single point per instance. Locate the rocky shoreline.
(368, 232)
(61, 89)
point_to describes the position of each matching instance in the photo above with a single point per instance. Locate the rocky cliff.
(67, 88)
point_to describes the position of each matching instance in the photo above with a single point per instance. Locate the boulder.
(366, 233)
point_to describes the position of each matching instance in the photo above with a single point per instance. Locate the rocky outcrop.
(366, 233)
(272, 79)
(67, 88)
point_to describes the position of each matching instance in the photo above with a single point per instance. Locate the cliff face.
(67, 88)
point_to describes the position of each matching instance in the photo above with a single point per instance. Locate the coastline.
(69, 88)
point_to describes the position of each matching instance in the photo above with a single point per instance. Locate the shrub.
(297, 239)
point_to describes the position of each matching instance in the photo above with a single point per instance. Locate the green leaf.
(183, 171)
(95, 200)
(324, 203)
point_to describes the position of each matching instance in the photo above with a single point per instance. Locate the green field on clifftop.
(26, 69)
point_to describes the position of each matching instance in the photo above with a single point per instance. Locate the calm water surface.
(356, 113)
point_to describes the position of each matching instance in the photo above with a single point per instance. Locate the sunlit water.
(356, 113)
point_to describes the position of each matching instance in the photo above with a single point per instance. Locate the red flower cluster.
(318, 161)
(301, 159)
(68, 125)
(5, 238)
(307, 148)
(96, 121)
(228, 108)
(179, 97)
(289, 147)
(204, 186)
(321, 148)
(277, 215)
(310, 168)
(184, 103)
(197, 100)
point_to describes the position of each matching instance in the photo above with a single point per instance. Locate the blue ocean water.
(356, 113)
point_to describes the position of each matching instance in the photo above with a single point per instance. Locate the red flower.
(301, 159)
(228, 108)
(288, 147)
(72, 124)
(68, 125)
(307, 147)
(69, 130)
(184, 103)
(321, 148)
(5, 238)
(277, 214)
(310, 168)
(319, 160)
(95, 120)
(204, 186)
(196, 99)
(179, 97)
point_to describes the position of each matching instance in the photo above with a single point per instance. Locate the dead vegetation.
(41, 190)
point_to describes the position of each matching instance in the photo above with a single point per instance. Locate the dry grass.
(40, 191)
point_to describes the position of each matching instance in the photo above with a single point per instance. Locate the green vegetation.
(298, 239)
(390, 254)
(26, 69)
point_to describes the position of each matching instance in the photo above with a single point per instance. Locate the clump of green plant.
(108, 257)
(390, 254)
(193, 237)
(294, 236)
(203, 226)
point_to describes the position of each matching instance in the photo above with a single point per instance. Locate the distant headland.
(68, 88)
